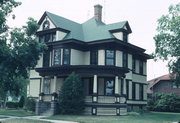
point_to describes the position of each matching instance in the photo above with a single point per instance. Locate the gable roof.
(90, 30)
(153, 82)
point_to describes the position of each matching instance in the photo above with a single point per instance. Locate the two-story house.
(113, 71)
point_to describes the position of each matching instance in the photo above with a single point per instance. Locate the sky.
(142, 16)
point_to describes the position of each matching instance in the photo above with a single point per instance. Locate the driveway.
(34, 118)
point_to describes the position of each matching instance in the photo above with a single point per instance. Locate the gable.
(46, 19)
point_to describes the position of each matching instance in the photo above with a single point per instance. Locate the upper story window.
(175, 85)
(57, 57)
(110, 57)
(140, 67)
(125, 59)
(47, 37)
(141, 92)
(46, 85)
(46, 25)
(109, 86)
(125, 37)
(66, 56)
(134, 91)
(94, 57)
(46, 58)
(133, 64)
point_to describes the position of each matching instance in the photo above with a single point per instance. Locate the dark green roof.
(90, 30)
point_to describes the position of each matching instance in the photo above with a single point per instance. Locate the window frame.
(45, 86)
(125, 59)
(133, 65)
(141, 67)
(66, 57)
(59, 57)
(105, 86)
(94, 60)
(106, 57)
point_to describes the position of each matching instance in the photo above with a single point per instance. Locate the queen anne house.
(113, 70)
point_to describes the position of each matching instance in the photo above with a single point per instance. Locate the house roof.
(153, 82)
(88, 31)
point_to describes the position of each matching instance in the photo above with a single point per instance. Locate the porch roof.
(81, 69)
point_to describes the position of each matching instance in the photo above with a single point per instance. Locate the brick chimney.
(98, 12)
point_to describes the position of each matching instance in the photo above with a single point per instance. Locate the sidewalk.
(34, 118)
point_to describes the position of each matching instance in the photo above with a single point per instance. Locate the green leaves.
(71, 95)
(167, 40)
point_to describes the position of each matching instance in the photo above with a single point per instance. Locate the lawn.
(18, 113)
(152, 117)
(24, 121)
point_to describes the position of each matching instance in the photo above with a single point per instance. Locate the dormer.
(122, 32)
(49, 31)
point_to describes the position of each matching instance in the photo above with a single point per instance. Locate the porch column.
(42, 84)
(41, 89)
(95, 89)
(124, 86)
(116, 85)
(55, 83)
(117, 94)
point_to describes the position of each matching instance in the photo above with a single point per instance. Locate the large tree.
(19, 51)
(167, 40)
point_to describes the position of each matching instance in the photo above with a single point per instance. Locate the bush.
(21, 102)
(12, 104)
(71, 100)
(30, 104)
(164, 103)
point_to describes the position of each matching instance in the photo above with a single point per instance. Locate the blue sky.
(142, 16)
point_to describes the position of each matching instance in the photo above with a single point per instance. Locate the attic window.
(125, 37)
(46, 25)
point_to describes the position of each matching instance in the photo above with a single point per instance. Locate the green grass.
(24, 121)
(18, 113)
(152, 117)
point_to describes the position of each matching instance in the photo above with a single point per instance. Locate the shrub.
(30, 104)
(71, 100)
(21, 102)
(12, 104)
(164, 102)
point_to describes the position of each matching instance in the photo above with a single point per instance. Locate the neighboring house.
(163, 84)
(113, 70)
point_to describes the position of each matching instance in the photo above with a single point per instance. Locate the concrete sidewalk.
(34, 118)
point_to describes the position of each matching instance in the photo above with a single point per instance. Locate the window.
(141, 67)
(66, 56)
(46, 86)
(175, 85)
(53, 36)
(90, 86)
(94, 57)
(133, 65)
(127, 88)
(133, 91)
(47, 37)
(141, 92)
(46, 25)
(110, 57)
(125, 59)
(46, 58)
(122, 86)
(125, 37)
(109, 86)
(57, 57)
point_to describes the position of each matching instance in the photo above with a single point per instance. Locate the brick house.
(112, 69)
(163, 84)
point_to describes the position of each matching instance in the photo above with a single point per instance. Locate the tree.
(71, 97)
(19, 51)
(167, 40)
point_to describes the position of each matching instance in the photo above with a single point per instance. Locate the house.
(163, 84)
(113, 70)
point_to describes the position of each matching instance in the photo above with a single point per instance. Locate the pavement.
(33, 118)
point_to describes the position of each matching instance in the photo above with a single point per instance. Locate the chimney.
(98, 12)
